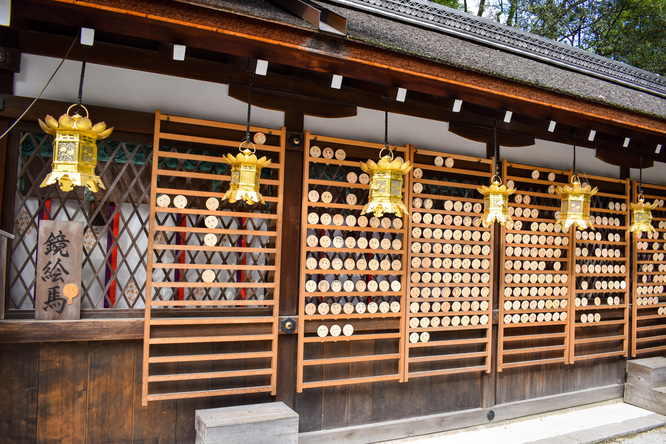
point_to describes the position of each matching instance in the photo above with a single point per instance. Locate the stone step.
(647, 372)
(269, 423)
(646, 384)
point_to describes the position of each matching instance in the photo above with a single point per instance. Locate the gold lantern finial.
(245, 175)
(642, 215)
(74, 150)
(386, 178)
(495, 202)
(575, 209)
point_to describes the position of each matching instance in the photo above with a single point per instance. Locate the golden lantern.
(74, 150)
(496, 196)
(496, 202)
(245, 175)
(642, 215)
(641, 212)
(386, 179)
(575, 209)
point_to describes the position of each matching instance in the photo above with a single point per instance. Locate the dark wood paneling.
(386, 396)
(334, 399)
(18, 404)
(62, 397)
(92, 391)
(520, 384)
(186, 408)
(154, 423)
(110, 392)
(360, 395)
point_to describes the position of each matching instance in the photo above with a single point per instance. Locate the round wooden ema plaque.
(163, 200)
(180, 201)
(335, 330)
(212, 203)
(210, 239)
(208, 276)
(322, 331)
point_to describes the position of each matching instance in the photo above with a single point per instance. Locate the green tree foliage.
(455, 4)
(630, 31)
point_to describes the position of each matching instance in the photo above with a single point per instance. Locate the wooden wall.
(91, 392)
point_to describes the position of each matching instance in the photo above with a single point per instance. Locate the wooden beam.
(625, 160)
(29, 330)
(484, 134)
(121, 120)
(284, 101)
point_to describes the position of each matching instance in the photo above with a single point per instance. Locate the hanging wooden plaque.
(58, 280)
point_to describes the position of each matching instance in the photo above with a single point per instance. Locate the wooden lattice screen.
(534, 299)
(115, 221)
(600, 286)
(211, 319)
(649, 278)
(449, 320)
(352, 286)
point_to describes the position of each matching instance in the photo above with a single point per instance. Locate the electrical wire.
(43, 89)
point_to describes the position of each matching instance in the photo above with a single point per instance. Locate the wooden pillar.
(10, 59)
(625, 172)
(489, 380)
(291, 228)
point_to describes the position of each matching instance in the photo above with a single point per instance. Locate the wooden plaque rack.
(352, 286)
(211, 318)
(534, 300)
(600, 284)
(449, 321)
(649, 298)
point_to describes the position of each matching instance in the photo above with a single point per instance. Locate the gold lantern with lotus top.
(496, 202)
(642, 215)
(74, 150)
(386, 179)
(245, 175)
(575, 209)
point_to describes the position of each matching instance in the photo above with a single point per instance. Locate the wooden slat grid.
(648, 310)
(449, 320)
(210, 338)
(600, 283)
(534, 300)
(340, 268)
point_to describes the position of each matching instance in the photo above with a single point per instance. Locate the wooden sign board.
(59, 259)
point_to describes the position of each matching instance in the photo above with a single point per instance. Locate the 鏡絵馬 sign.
(59, 258)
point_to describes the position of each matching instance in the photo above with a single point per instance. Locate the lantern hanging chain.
(574, 154)
(249, 109)
(43, 89)
(640, 175)
(386, 144)
(496, 166)
(83, 74)
(386, 124)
